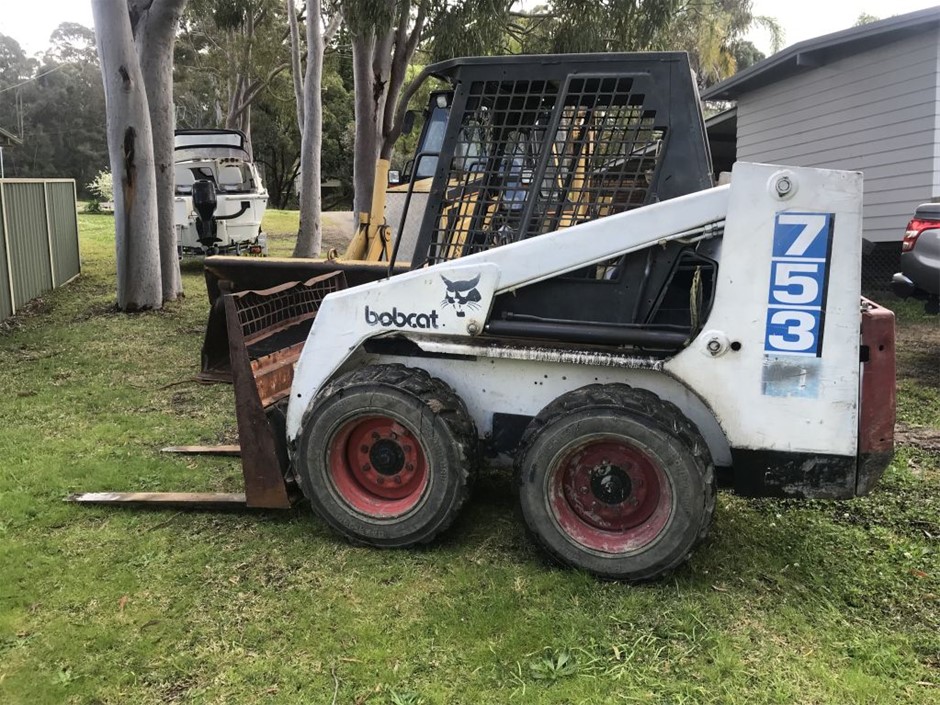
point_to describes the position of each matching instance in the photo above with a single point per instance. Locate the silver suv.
(920, 258)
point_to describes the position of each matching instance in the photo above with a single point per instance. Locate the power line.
(30, 80)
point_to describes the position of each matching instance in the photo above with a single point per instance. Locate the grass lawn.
(788, 602)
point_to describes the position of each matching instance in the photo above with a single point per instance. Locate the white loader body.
(737, 380)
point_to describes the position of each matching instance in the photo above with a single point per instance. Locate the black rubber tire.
(431, 411)
(645, 420)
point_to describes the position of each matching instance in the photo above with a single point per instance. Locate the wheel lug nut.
(380, 480)
(364, 449)
(584, 490)
(397, 479)
(375, 436)
(407, 449)
(366, 467)
(409, 467)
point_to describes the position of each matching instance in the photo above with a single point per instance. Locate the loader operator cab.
(525, 145)
(430, 139)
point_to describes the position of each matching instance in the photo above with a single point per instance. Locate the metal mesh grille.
(263, 313)
(531, 158)
(879, 263)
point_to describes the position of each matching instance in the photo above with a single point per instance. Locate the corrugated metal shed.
(63, 221)
(30, 264)
(6, 292)
(39, 244)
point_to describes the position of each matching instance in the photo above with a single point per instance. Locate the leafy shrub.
(102, 187)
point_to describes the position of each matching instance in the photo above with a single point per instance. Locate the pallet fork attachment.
(266, 330)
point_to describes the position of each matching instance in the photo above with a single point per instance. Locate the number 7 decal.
(810, 227)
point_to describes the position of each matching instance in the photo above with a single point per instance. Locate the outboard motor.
(204, 201)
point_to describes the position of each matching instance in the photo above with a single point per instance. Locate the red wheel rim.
(609, 496)
(378, 467)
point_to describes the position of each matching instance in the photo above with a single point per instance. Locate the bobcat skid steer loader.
(581, 303)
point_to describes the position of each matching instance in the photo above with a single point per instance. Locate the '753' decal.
(799, 278)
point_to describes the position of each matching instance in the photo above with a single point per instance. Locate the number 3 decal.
(797, 330)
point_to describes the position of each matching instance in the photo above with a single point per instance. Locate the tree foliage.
(232, 68)
(228, 53)
(58, 101)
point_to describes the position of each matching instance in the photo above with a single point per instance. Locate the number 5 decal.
(798, 283)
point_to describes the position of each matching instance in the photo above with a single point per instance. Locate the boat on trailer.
(219, 198)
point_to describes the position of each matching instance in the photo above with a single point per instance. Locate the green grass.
(788, 602)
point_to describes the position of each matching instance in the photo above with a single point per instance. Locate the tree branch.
(295, 62)
(255, 87)
(394, 113)
(332, 26)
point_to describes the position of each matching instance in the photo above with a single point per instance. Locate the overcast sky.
(805, 19)
(31, 23)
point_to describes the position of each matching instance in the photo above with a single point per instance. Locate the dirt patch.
(918, 351)
(338, 229)
(918, 362)
(104, 308)
(924, 438)
(31, 309)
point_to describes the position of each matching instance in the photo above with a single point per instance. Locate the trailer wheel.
(616, 481)
(385, 455)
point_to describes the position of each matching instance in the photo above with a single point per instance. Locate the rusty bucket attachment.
(265, 332)
(235, 275)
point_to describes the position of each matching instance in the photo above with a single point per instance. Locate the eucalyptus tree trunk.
(381, 55)
(296, 70)
(310, 233)
(369, 102)
(130, 148)
(155, 34)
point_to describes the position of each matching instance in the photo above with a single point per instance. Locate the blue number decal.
(799, 276)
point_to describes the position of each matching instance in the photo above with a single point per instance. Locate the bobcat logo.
(461, 295)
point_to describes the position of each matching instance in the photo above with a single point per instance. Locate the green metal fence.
(38, 239)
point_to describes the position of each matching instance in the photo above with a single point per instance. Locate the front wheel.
(616, 481)
(385, 455)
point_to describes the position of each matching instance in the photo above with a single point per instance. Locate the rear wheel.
(385, 455)
(616, 481)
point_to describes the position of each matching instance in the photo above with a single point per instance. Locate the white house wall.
(875, 111)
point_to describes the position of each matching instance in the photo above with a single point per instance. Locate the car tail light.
(914, 229)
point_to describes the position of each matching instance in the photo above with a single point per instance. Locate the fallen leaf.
(122, 602)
